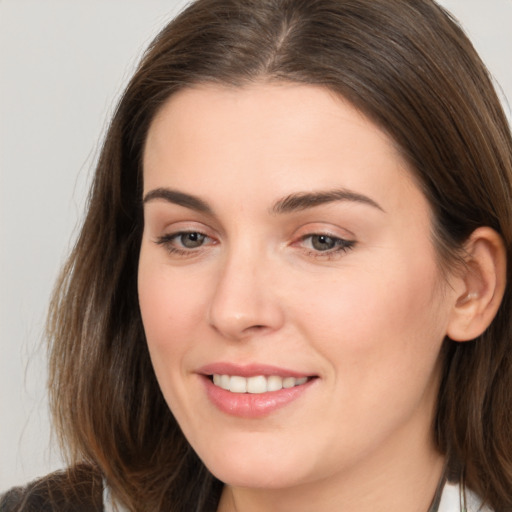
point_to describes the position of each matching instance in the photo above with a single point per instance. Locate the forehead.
(280, 137)
(211, 109)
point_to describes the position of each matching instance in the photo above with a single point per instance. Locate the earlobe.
(481, 285)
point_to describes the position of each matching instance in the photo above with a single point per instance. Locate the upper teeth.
(258, 384)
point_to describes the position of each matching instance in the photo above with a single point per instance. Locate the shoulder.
(78, 489)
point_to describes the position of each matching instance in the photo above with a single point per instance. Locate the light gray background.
(63, 64)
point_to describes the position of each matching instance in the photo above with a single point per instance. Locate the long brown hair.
(408, 66)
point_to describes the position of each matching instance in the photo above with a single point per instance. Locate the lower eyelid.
(332, 254)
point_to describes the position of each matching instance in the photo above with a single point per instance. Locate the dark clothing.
(76, 490)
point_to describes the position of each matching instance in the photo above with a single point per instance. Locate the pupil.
(322, 242)
(191, 240)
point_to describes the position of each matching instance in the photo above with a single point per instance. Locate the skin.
(368, 322)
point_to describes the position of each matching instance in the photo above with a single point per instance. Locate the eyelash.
(341, 245)
(168, 240)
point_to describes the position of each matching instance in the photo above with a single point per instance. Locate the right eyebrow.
(179, 198)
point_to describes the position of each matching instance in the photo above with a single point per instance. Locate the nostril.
(254, 328)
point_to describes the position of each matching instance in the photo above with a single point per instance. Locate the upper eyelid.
(181, 226)
(174, 228)
(172, 233)
(330, 235)
(318, 228)
(343, 240)
(327, 233)
(176, 234)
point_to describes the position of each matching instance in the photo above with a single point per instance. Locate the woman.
(289, 292)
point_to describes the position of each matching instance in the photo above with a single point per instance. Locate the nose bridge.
(243, 301)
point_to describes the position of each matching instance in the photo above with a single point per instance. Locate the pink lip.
(250, 370)
(247, 405)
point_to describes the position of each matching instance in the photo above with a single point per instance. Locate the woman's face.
(288, 284)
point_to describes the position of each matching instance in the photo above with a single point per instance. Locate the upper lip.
(249, 370)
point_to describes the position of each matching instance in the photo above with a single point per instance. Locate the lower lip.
(249, 405)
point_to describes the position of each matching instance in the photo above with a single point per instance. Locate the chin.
(256, 478)
(256, 469)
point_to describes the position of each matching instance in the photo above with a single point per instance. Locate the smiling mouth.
(256, 385)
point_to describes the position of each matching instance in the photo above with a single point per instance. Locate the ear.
(480, 286)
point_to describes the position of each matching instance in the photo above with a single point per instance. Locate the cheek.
(381, 334)
(170, 312)
(169, 307)
(390, 316)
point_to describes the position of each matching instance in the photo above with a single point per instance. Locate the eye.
(319, 243)
(323, 242)
(184, 242)
(191, 240)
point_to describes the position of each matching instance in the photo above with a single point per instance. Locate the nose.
(245, 301)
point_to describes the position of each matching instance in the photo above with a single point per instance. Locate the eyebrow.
(179, 198)
(291, 203)
(304, 200)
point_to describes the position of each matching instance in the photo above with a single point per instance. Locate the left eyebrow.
(304, 200)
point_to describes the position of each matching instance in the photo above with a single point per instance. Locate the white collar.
(454, 499)
(108, 502)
